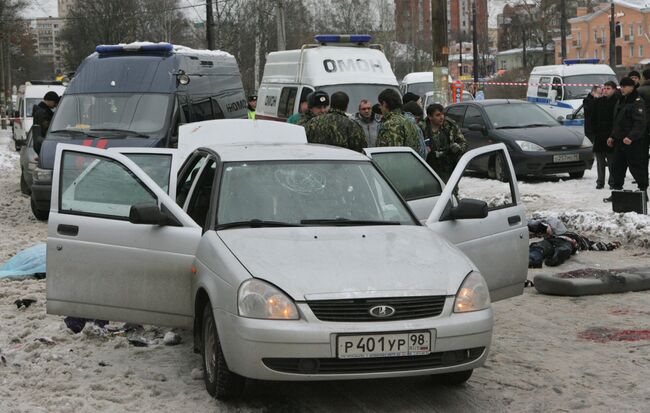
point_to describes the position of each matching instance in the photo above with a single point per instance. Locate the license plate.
(566, 158)
(384, 345)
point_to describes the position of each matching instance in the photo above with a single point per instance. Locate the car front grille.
(563, 148)
(372, 365)
(563, 166)
(359, 309)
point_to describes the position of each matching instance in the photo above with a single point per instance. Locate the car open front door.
(100, 265)
(497, 243)
(412, 177)
(161, 164)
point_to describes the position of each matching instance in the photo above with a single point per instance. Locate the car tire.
(497, 169)
(17, 146)
(220, 382)
(38, 213)
(456, 378)
(24, 188)
(577, 175)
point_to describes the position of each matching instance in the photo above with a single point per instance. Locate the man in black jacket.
(599, 118)
(628, 136)
(644, 92)
(43, 113)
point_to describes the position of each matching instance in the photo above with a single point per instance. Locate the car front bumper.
(306, 349)
(41, 195)
(543, 163)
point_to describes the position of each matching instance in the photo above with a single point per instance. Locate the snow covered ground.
(541, 358)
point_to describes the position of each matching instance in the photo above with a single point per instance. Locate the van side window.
(201, 109)
(542, 88)
(287, 100)
(216, 109)
(184, 103)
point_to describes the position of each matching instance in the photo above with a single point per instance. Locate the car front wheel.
(24, 188)
(219, 380)
(577, 175)
(38, 213)
(453, 379)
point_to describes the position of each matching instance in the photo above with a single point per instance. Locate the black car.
(538, 144)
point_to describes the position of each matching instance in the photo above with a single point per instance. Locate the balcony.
(628, 38)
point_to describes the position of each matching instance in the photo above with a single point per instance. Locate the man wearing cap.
(318, 103)
(395, 129)
(252, 106)
(335, 128)
(43, 112)
(627, 138)
(636, 78)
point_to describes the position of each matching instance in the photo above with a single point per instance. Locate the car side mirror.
(151, 214)
(467, 208)
(561, 118)
(478, 128)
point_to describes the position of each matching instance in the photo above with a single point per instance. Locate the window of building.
(631, 51)
(596, 35)
(618, 30)
(640, 29)
(602, 34)
(578, 38)
(640, 50)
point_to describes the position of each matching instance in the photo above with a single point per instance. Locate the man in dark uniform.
(599, 119)
(318, 103)
(43, 113)
(335, 128)
(644, 92)
(628, 135)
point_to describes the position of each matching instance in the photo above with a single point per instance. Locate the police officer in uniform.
(335, 128)
(318, 103)
(252, 106)
(627, 137)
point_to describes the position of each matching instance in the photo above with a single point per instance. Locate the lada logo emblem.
(381, 311)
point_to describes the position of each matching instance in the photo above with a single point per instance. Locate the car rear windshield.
(296, 191)
(135, 112)
(518, 115)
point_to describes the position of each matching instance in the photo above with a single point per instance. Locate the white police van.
(560, 89)
(347, 63)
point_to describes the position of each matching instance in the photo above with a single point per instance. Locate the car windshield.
(518, 115)
(289, 193)
(357, 92)
(421, 88)
(586, 82)
(134, 112)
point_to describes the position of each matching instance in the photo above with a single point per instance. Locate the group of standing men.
(393, 121)
(617, 122)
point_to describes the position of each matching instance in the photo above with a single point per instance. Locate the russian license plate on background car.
(570, 157)
(384, 345)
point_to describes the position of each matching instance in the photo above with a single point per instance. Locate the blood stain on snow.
(590, 273)
(605, 335)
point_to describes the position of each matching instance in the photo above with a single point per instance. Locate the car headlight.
(42, 175)
(586, 143)
(529, 146)
(473, 294)
(259, 299)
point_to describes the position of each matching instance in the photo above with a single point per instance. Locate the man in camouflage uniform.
(445, 141)
(395, 129)
(335, 128)
(317, 104)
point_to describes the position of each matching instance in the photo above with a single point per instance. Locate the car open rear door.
(498, 243)
(411, 175)
(102, 266)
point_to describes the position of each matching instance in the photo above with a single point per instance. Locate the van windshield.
(357, 92)
(142, 113)
(586, 82)
(421, 88)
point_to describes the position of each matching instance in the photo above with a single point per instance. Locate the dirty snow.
(541, 358)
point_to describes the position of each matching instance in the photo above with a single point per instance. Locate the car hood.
(545, 137)
(342, 262)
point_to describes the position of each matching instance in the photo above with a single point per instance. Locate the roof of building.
(641, 5)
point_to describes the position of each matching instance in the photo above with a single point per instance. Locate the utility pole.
(209, 24)
(282, 38)
(439, 50)
(612, 38)
(460, 45)
(563, 28)
(474, 43)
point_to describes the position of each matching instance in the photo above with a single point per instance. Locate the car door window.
(94, 185)
(500, 182)
(157, 166)
(473, 116)
(409, 176)
(456, 113)
(187, 177)
(199, 203)
(542, 88)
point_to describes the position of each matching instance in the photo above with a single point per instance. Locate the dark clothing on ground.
(630, 122)
(335, 128)
(42, 116)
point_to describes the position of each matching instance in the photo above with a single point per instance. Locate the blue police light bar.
(343, 38)
(118, 48)
(578, 61)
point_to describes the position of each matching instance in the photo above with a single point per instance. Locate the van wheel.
(24, 188)
(219, 380)
(453, 379)
(38, 213)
